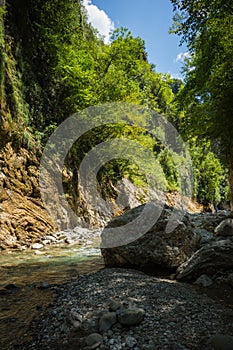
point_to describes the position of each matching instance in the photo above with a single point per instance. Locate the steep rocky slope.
(23, 218)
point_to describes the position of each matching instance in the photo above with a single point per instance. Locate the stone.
(204, 281)
(75, 319)
(205, 236)
(94, 338)
(131, 316)
(209, 259)
(37, 246)
(107, 321)
(157, 247)
(130, 341)
(222, 342)
(46, 241)
(50, 238)
(225, 228)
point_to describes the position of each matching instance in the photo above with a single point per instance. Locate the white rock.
(37, 246)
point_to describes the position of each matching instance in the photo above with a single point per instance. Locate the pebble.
(130, 342)
(173, 315)
(93, 339)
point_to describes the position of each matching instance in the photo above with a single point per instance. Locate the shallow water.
(21, 275)
(52, 265)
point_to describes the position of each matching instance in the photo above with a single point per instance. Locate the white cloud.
(99, 19)
(182, 56)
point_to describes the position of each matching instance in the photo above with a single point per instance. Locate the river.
(24, 278)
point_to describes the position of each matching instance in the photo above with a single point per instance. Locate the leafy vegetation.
(53, 63)
(206, 98)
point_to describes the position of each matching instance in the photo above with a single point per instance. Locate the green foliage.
(166, 159)
(206, 98)
(53, 63)
(208, 175)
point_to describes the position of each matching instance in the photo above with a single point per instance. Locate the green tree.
(207, 27)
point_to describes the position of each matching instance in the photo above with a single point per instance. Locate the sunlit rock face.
(22, 216)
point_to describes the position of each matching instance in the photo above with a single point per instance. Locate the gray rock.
(225, 228)
(130, 317)
(204, 281)
(222, 342)
(107, 321)
(74, 319)
(205, 236)
(158, 246)
(130, 341)
(94, 339)
(208, 260)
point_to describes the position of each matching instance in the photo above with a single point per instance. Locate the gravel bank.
(175, 315)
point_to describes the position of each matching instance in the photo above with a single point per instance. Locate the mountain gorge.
(52, 64)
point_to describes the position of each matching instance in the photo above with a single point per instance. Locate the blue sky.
(149, 19)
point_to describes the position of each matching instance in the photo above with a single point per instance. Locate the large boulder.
(158, 247)
(210, 259)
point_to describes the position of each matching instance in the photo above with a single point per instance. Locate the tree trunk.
(231, 188)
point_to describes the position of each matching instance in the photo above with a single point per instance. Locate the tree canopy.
(206, 98)
(53, 63)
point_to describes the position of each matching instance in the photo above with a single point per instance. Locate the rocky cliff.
(23, 219)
